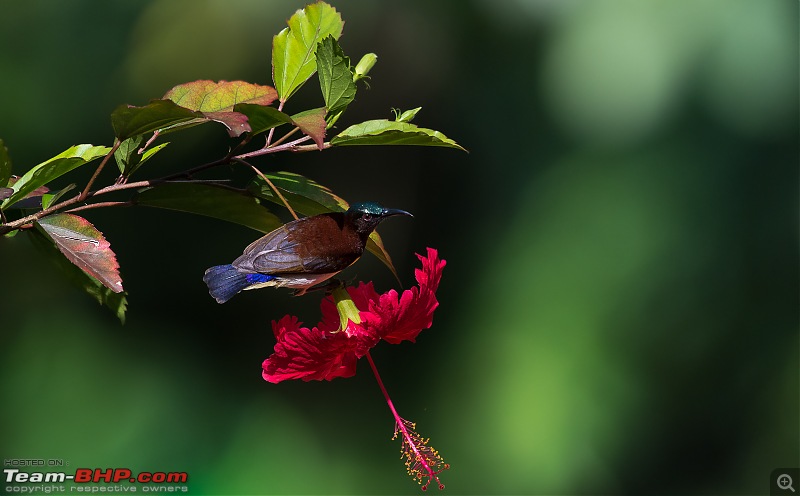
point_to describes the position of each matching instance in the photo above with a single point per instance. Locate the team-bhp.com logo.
(95, 475)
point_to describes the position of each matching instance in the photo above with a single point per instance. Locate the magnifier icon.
(785, 482)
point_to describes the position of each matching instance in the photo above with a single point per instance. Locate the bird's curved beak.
(388, 212)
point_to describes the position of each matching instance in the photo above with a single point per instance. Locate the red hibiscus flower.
(353, 321)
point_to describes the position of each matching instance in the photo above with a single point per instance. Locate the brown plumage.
(300, 254)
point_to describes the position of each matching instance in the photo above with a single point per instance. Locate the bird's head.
(366, 216)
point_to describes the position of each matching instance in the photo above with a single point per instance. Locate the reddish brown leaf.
(236, 122)
(217, 99)
(84, 246)
(312, 123)
(210, 96)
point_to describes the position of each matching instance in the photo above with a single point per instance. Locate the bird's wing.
(273, 253)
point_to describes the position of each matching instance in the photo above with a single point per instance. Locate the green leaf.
(51, 198)
(408, 115)
(129, 121)
(293, 60)
(216, 100)
(53, 168)
(31, 200)
(307, 197)
(386, 132)
(127, 154)
(116, 302)
(128, 157)
(212, 201)
(335, 77)
(304, 195)
(149, 153)
(332, 118)
(262, 118)
(5, 164)
(375, 246)
(312, 123)
(84, 246)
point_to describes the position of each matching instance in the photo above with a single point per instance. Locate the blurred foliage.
(619, 313)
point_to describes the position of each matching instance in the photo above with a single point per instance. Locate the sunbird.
(300, 254)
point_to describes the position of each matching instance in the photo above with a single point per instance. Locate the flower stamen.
(421, 460)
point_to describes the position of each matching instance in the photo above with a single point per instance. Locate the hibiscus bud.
(346, 307)
(364, 65)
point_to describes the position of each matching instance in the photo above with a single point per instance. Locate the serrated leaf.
(212, 96)
(216, 100)
(53, 168)
(51, 198)
(5, 164)
(262, 118)
(293, 60)
(312, 123)
(116, 302)
(386, 132)
(212, 201)
(129, 121)
(335, 76)
(84, 246)
(307, 197)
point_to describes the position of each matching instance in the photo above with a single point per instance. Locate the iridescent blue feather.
(224, 281)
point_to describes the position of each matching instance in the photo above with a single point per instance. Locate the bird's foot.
(328, 286)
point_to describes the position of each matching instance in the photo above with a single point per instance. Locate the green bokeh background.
(619, 309)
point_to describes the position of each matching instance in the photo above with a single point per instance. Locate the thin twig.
(272, 186)
(283, 138)
(85, 192)
(272, 131)
(274, 149)
(102, 191)
(150, 141)
(310, 148)
(101, 205)
(189, 173)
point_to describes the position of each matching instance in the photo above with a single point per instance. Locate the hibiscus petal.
(325, 352)
(397, 320)
(363, 294)
(287, 323)
(309, 354)
(431, 272)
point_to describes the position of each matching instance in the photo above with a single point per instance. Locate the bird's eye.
(366, 216)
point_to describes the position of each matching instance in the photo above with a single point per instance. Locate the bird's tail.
(224, 282)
